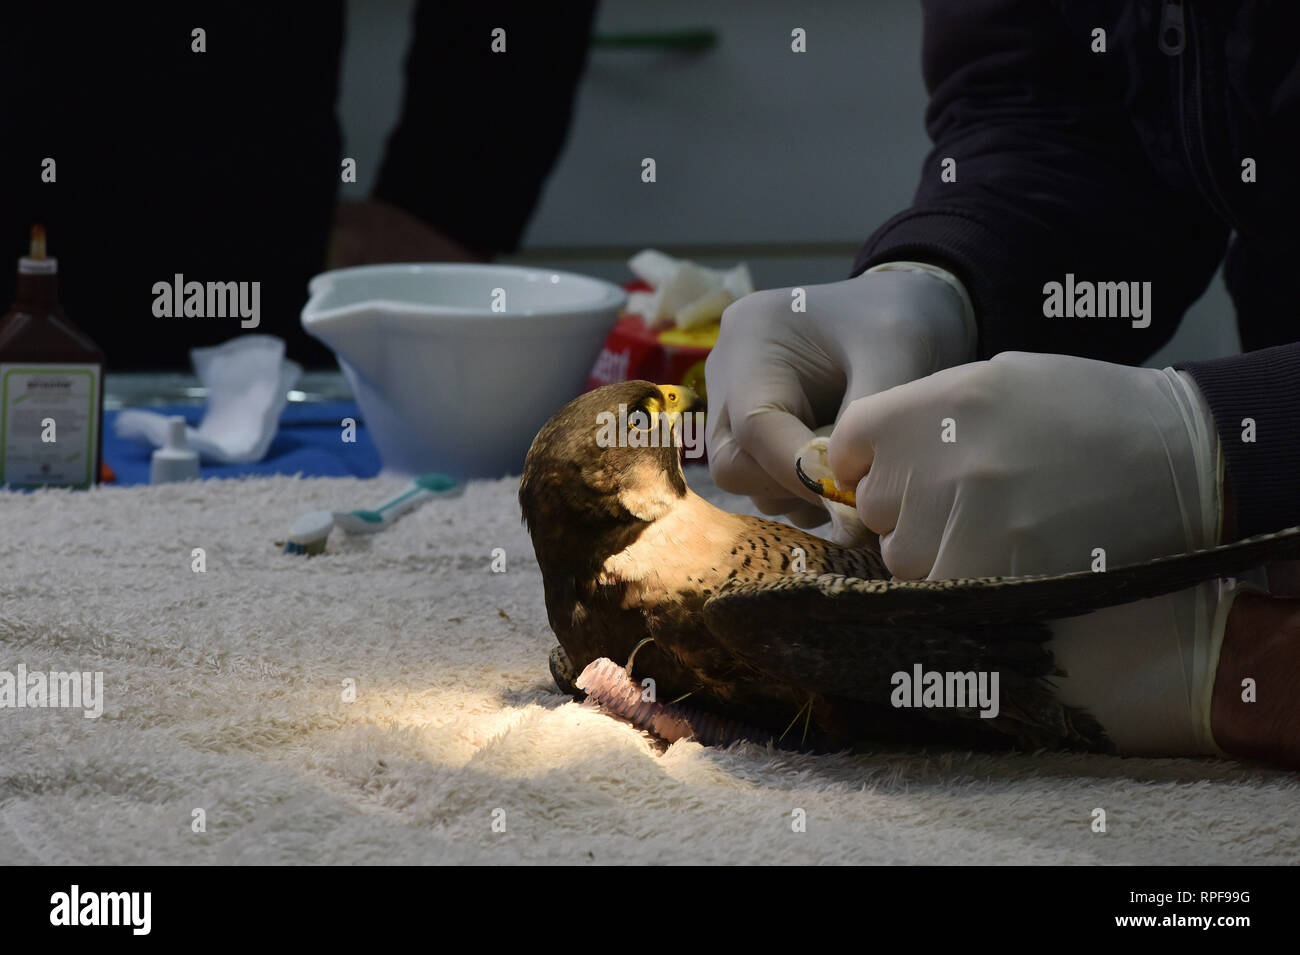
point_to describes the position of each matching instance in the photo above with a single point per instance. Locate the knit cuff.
(1255, 399)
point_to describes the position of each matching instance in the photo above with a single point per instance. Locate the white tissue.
(652, 266)
(738, 281)
(247, 380)
(641, 303)
(689, 294)
(707, 308)
(685, 285)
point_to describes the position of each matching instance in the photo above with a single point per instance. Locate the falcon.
(758, 625)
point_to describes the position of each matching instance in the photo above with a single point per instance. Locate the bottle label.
(49, 424)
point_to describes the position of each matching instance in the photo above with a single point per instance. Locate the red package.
(671, 357)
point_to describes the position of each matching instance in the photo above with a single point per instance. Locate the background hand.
(371, 231)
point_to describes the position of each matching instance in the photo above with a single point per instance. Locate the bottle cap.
(174, 461)
(36, 262)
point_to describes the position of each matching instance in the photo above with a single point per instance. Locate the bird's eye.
(643, 415)
(671, 396)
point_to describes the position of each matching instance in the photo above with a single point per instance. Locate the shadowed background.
(788, 161)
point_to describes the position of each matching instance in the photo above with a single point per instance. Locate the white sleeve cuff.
(943, 275)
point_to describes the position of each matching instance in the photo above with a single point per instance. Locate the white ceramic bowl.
(445, 383)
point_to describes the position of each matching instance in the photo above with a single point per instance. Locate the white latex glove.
(776, 373)
(1146, 670)
(1052, 457)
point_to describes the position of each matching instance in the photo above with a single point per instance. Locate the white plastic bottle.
(174, 461)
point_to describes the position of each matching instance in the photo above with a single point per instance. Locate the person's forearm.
(481, 130)
(1037, 177)
(1261, 644)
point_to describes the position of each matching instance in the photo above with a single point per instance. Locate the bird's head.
(609, 457)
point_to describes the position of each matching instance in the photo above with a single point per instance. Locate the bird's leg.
(825, 487)
(632, 656)
(806, 721)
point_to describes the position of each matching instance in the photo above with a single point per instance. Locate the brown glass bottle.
(51, 385)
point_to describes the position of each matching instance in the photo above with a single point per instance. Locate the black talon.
(815, 486)
(564, 673)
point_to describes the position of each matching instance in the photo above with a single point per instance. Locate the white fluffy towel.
(227, 734)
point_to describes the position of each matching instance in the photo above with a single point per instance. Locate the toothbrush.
(309, 532)
(420, 489)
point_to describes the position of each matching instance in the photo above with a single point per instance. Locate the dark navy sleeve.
(1255, 400)
(1050, 180)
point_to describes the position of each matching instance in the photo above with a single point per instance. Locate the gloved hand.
(776, 373)
(1146, 670)
(1050, 457)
